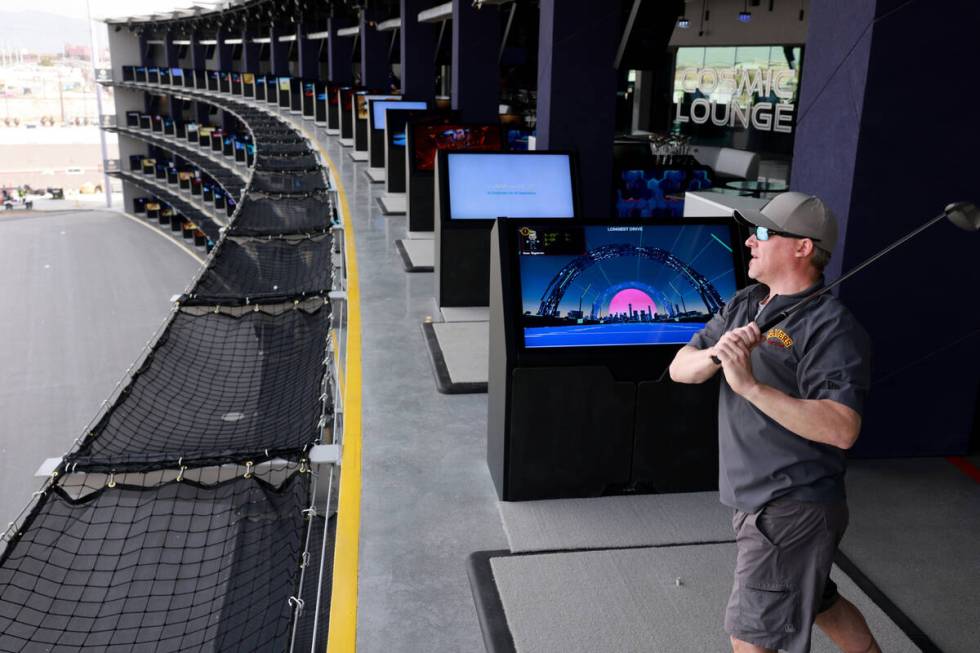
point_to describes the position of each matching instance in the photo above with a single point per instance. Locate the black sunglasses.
(763, 233)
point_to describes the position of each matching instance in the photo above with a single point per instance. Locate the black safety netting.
(299, 147)
(292, 163)
(217, 387)
(288, 183)
(250, 270)
(285, 139)
(193, 213)
(320, 558)
(259, 216)
(173, 567)
(261, 131)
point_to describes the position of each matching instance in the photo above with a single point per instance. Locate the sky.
(100, 8)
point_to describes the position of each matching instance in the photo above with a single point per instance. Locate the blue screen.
(601, 286)
(503, 184)
(378, 108)
(658, 191)
(176, 72)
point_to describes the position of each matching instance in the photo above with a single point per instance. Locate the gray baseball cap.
(798, 214)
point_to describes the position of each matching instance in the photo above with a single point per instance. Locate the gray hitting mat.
(616, 522)
(460, 354)
(655, 600)
(417, 255)
(915, 533)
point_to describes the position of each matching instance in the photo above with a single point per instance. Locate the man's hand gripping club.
(734, 350)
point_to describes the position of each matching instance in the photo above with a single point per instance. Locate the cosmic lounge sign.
(762, 115)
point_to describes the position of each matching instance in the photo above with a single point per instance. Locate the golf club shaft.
(782, 315)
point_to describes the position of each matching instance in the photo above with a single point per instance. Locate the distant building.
(82, 52)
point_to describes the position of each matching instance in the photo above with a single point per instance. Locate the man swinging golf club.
(791, 402)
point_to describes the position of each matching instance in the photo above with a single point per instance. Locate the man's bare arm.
(819, 420)
(693, 365)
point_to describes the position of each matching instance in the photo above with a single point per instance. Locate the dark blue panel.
(476, 73)
(577, 91)
(886, 136)
(374, 55)
(418, 44)
(308, 65)
(339, 54)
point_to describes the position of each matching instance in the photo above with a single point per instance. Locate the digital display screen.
(602, 286)
(362, 103)
(517, 139)
(503, 184)
(378, 108)
(283, 83)
(658, 192)
(427, 139)
(176, 72)
(308, 89)
(248, 78)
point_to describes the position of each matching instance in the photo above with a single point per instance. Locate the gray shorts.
(782, 582)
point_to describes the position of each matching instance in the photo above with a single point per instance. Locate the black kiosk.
(376, 120)
(584, 320)
(423, 140)
(473, 189)
(320, 103)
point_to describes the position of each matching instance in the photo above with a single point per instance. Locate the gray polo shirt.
(819, 352)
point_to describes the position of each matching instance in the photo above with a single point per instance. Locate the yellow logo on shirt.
(779, 337)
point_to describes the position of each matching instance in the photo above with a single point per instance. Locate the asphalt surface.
(80, 295)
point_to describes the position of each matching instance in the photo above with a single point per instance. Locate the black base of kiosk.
(462, 264)
(580, 429)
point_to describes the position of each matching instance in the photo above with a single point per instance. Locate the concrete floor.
(427, 499)
(82, 293)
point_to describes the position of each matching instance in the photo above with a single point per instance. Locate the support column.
(577, 91)
(339, 52)
(250, 53)
(853, 148)
(144, 60)
(198, 62)
(475, 70)
(278, 52)
(418, 44)
(308, 66)
(374, 52)
(170, 51)
(223, 51)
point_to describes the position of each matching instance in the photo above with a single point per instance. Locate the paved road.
(80, 294)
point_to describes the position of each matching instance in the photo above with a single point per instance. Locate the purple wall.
(885, 136)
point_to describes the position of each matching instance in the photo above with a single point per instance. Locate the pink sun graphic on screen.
(640, 301)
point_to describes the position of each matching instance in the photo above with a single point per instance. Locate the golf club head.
(964, 215)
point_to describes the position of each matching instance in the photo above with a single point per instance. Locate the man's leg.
(845, 624)
(738, 646)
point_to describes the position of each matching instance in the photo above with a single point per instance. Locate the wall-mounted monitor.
(477, 186)
(658, 191)
(613, 285)
(428, 138)
(378, 108)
